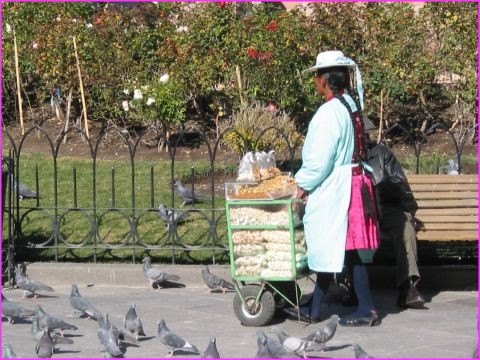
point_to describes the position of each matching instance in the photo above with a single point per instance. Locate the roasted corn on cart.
(267, 251)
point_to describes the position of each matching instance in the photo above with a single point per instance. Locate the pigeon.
(51, 323)
(276, 348)
(81, 304)
(211, 352)
(215, 282)
(119, 335)
(263, 351)
(24, 192)
(37, 333)
(188, 196)
(291, 343)
(177, 343)
(45, 347)
(156, 276)
(12, 311)
(7, 352)
(171, 218)
(107, 338)
(360, 353)
(132, 322)
(27, 285)
(325, 332)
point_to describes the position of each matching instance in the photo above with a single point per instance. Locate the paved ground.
(447, 329)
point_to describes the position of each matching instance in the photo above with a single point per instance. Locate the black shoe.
(354, 320)
(292, 312)
(409, 296)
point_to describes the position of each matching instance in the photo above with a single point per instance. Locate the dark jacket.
(391, 184)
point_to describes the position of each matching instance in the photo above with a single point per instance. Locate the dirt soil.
(114, 148)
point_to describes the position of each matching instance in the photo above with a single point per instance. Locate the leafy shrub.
(257, 127)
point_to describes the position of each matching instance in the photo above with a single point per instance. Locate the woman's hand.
(302, 194)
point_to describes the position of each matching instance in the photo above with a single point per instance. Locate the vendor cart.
(267, 255)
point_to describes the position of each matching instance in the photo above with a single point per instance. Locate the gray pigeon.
(360, 353)
(215, 282)
(263, 351)
(45, 347)
(27, 285)
(188, 196)
(132, 322)
(291, 343)
(37, 333)
(24, 192)
(81, 304)
(120, 335)
(276, 348)
(7, 352)
(156, 276)
(51, 323)
(325, 331)
(177, 343)
(12, 311)
(171, 218)
(211, 352)
(107, 338)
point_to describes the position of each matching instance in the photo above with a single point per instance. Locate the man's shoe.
(355, 320)
(409, 296)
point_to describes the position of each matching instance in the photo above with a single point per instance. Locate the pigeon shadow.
(56, 351)
(18, 321)
(30, 297)
(72, 335)
(168, 284)
(126, 345)
(218, 291)
(146, 338)
(331, 348)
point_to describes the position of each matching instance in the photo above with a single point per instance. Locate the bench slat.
(446, 195)
(448, 219)
(449, 211)
(432, 204)
(448, 235)
(444, 187)
(443, 179)
(450, 226)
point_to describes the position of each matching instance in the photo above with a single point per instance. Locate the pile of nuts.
(274, 187)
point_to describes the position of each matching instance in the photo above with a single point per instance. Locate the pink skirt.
(363, 231)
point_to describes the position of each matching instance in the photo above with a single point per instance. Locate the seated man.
(396, 207)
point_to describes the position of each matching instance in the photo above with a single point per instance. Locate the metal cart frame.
(255, 303)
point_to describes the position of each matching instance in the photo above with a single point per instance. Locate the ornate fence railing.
(88, 229)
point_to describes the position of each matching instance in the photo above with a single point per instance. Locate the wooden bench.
(447, 206)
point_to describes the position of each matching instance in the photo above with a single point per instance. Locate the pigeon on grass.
(156, 276)
(215, 282)
(24, 192)
(211, 352)
(188, 196)
(170, 217)
(27, 285)
(82, 305)
(177, 344)
(131, 322)
(13, 311)
(50, 323)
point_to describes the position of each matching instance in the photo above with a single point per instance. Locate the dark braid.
(360, 150)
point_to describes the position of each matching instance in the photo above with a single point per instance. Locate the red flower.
(98, 20)
(222, 4)
(273, 26)
(253, 53)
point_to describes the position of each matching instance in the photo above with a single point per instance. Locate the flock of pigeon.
(48, 330)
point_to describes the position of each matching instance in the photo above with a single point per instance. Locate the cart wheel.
(263, 312)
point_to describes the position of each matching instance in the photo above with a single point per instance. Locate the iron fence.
(206, 223)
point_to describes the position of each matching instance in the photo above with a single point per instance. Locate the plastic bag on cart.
(248, 164)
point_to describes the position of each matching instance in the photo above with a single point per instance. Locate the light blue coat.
(327, 175)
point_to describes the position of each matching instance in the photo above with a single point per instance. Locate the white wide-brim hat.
(334, 58)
